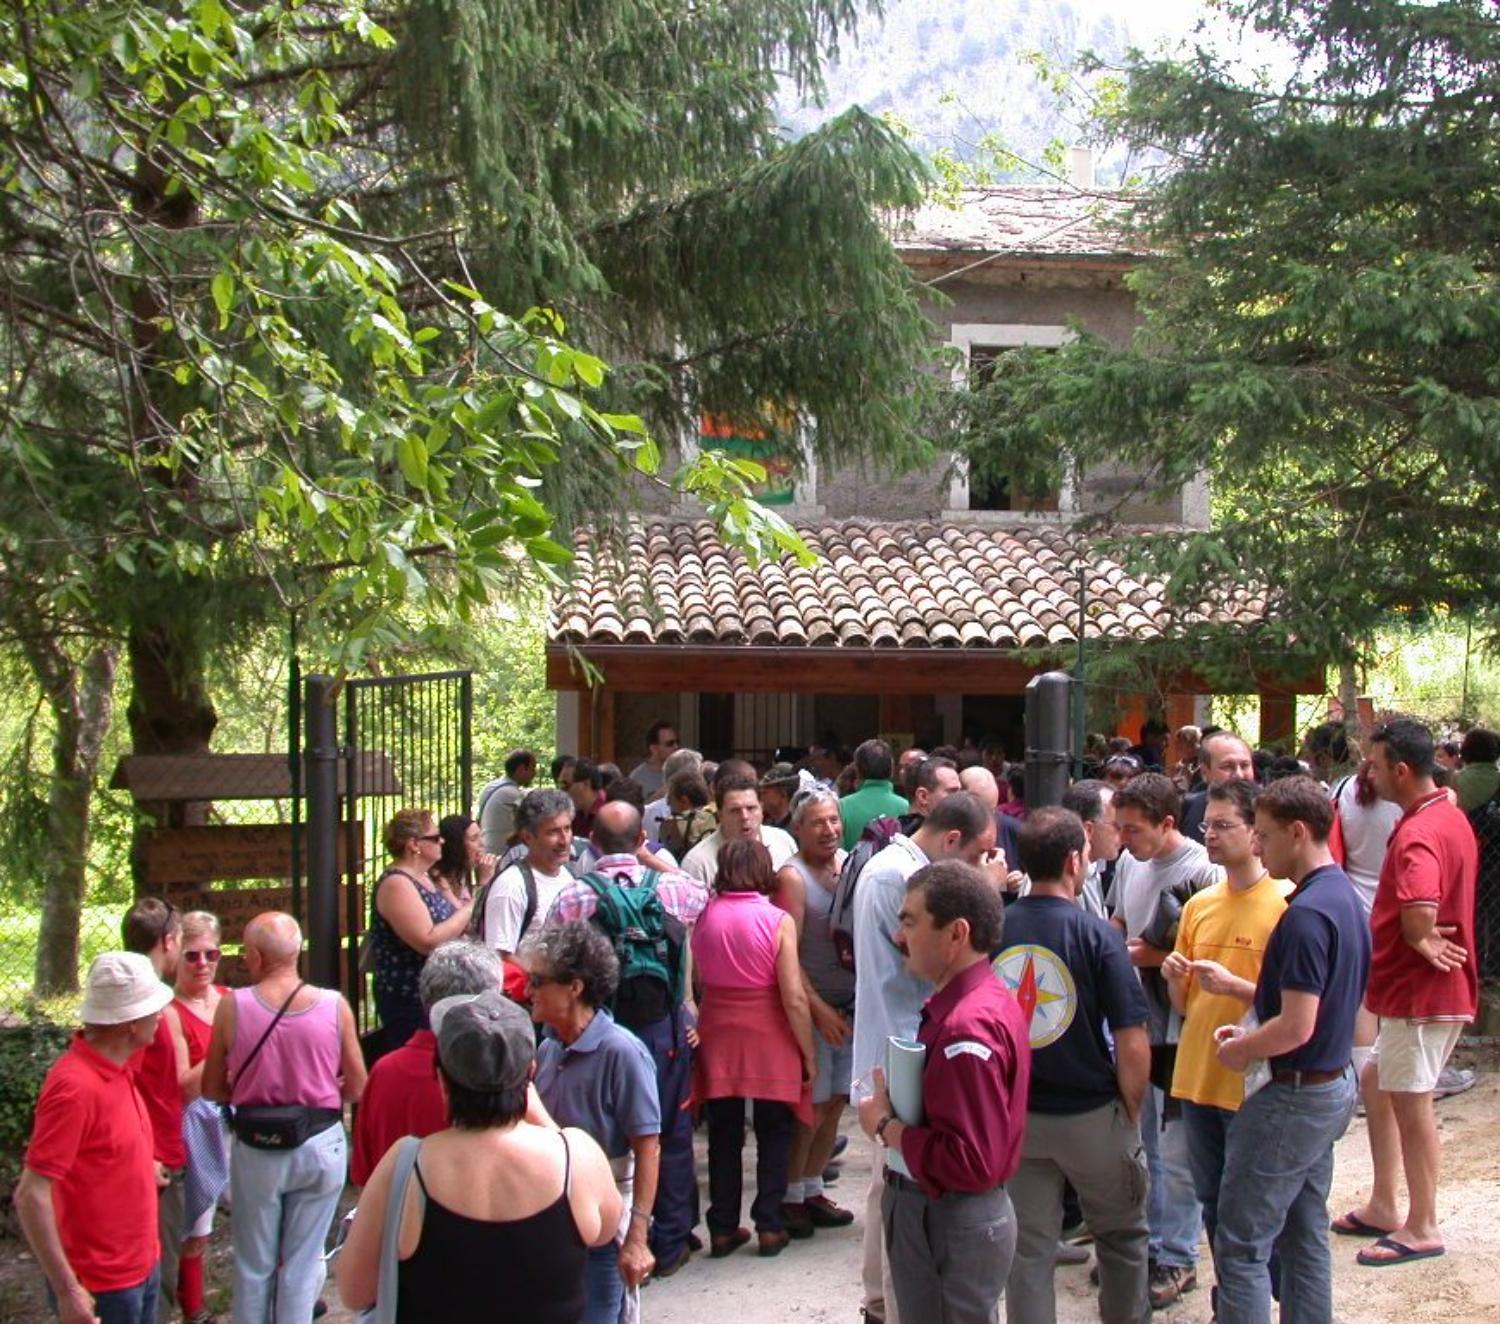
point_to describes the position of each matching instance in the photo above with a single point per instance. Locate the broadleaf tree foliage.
(1321, 328)
(332, 311)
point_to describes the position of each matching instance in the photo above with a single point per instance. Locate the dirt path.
(818, 1281)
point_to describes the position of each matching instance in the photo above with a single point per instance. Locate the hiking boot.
(798, 1221)
(1170, 1284)
(672, 1266)
(720, 1246)
(773, 1243)
(824, 1213)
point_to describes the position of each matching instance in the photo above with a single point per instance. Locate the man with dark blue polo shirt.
(1299, 1088)
(1072, 976)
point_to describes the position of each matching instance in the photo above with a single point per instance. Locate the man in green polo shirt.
(876, 796)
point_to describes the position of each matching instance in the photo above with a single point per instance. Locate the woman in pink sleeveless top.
(756, 1043)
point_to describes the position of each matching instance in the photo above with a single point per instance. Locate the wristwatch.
(880, 1128)
(636, 1212)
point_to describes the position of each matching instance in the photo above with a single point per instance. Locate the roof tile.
(897, 584)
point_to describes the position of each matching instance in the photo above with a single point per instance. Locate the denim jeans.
(676, 1207)
(603, 1288)
(1278, 1165)
(1172, 1208)
(1207, 1131)
(126, 1305)
(284, 1203)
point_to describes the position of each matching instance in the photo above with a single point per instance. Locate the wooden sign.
(197, 855)
(237, 906)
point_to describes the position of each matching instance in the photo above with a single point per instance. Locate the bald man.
(286, 1055)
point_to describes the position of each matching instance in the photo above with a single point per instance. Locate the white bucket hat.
(122, 986)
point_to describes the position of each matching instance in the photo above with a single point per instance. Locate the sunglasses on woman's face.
(206, 957)
(430, 836)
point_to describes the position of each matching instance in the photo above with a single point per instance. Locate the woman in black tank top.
(462, 1267)
(491, 1160)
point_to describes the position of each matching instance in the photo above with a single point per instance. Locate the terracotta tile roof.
(1019, 219)
(875, 585)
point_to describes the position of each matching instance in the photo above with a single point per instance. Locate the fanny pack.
(281, 1126)
(278, 1126)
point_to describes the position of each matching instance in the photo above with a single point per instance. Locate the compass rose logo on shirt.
(1043, 986)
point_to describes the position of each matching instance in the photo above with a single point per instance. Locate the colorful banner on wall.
(772, 445)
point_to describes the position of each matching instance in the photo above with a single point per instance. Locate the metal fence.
(1486, 821)
(408, 743)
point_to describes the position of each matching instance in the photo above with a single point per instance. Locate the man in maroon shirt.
(153, 928)
(402, 1096)
(950, 1232)
(1424, 986)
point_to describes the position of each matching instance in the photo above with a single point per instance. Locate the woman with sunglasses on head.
(410, 916)
(204, 1133)
(464, 865)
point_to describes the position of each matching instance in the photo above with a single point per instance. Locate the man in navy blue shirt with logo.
(1071, 974)
(1278, 1160)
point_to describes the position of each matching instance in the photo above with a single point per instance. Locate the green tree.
(304, 308)
(1319, 321)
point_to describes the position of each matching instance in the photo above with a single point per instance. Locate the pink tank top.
(299, 1062)
(734, 941)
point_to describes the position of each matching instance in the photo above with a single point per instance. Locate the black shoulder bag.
(278, 1126)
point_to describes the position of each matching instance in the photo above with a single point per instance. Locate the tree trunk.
(170, 713)
(1349, 698)
(81, 697)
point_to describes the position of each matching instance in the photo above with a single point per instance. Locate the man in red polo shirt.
(950, 1230)
(87, 1194)
(153, 928)
(1424, 986)
(402, 1096)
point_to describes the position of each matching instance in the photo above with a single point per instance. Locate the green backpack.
(649, 944)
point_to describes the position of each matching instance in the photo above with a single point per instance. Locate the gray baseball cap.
(781, 774)
(485, 1041)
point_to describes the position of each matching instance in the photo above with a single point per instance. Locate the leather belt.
(1297, 1079)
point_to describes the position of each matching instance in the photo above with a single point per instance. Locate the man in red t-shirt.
(87, 1194)
(153, 928)
(1424, 986)
(402, 1096)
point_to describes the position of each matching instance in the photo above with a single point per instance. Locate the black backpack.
(648, 942)
(482, 898)
(877, 835)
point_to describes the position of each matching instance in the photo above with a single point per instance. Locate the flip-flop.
(1403, 1254)
(1352, 1225)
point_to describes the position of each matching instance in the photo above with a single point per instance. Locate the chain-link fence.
(1486, 821)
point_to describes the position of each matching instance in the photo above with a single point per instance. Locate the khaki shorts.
(1410, 1055)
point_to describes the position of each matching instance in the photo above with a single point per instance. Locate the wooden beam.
(676, 668)
(212, 854)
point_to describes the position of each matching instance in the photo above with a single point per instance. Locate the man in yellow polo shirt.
(1211, 976)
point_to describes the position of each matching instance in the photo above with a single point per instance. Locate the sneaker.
(1453, 1080)
(798, 1221)
(824, 1213)
(840, 1144)
(1170, 1284)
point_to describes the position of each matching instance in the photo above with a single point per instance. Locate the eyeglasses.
(206, 957)
(535, 980)
(1222, 825)
(430, 836)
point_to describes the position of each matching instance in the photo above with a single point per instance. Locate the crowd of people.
(1145, 1013)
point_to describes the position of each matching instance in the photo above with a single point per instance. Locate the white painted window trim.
(966, 337)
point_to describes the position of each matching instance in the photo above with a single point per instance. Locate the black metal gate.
(407, 744)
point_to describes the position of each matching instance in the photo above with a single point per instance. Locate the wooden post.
(1132, 708)
(1278, 720)
(1181, 710)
